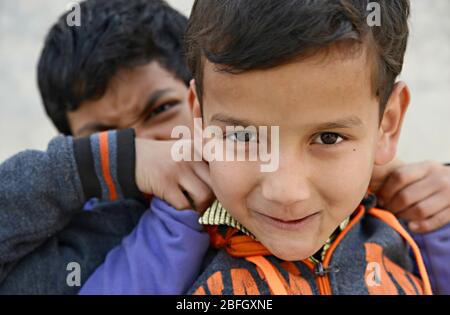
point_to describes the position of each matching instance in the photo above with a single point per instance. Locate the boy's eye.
(241, 136)
(328, 138)
(162, 108)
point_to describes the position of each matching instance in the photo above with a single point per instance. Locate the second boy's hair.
(242, 35)
(78, 62)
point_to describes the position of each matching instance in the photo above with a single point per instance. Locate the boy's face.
(148, 98)
(330, 139)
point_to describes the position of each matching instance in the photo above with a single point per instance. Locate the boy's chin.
(293, 253)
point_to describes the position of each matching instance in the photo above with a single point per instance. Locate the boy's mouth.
(291, 225)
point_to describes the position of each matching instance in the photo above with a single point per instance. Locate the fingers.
(200, 193)
(381, 173)
(177, 199)
(401, 178)
(413, 194)
(437, 221)
(201, 169)
(427, 207)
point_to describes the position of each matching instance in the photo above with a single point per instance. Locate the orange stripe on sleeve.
(104, 158)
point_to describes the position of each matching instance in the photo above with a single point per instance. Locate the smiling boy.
(129, 101)
(320, 73)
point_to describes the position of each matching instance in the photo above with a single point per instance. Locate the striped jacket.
(371, 255)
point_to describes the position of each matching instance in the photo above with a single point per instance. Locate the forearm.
(41, 191)
(163, 255)
(435, 249)
(63, 263)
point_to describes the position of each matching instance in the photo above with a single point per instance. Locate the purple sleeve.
(163, 255)
(435, 249)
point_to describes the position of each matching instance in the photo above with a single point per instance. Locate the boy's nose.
(287, 185)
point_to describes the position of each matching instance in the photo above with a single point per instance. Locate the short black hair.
(244, 35)
(78, 62)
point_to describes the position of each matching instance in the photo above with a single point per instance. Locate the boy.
(99, 109)
(317, 70)
(122, 68)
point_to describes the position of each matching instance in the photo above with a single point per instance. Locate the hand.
(381, 173)
(184, 185)
(420, 194)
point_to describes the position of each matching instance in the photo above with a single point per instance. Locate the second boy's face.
(147, 98)
(330, 139)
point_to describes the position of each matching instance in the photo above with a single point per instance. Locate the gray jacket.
(45, 234)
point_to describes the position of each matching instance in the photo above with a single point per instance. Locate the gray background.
(23, 124)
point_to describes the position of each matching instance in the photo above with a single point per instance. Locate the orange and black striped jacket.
(371, 255)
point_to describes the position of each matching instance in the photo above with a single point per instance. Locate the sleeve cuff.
(106, 164)
(126, 163)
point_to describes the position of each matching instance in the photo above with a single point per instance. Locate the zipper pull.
(321, 271)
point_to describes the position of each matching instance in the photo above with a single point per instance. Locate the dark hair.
(78, 62)
(243, 35)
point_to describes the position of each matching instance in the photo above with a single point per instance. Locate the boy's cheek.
(230, 179)
(343, 184)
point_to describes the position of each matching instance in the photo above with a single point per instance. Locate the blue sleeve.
(163, 255)
(435, 250)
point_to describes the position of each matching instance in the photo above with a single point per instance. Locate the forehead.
(127, 94)
(324, 81)
(129, 89)
(143, 78)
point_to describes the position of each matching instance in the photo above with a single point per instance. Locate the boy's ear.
(194, 104)
(391, 124)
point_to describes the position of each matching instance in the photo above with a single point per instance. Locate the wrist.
(142, 164)
(106, 165)
(126, 163)
(139, 147)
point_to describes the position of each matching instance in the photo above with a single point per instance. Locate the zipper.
(322, 277)
(321, 270)
(321, 273)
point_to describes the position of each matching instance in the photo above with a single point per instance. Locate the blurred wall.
(23, 124)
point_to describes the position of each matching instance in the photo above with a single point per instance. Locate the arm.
(435, 249)
(163, 255)
(40, 192)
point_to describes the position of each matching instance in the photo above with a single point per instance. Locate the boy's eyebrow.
(343, 123)
(154, 97)
(152, 100)
(149, 105)
(230, 121)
